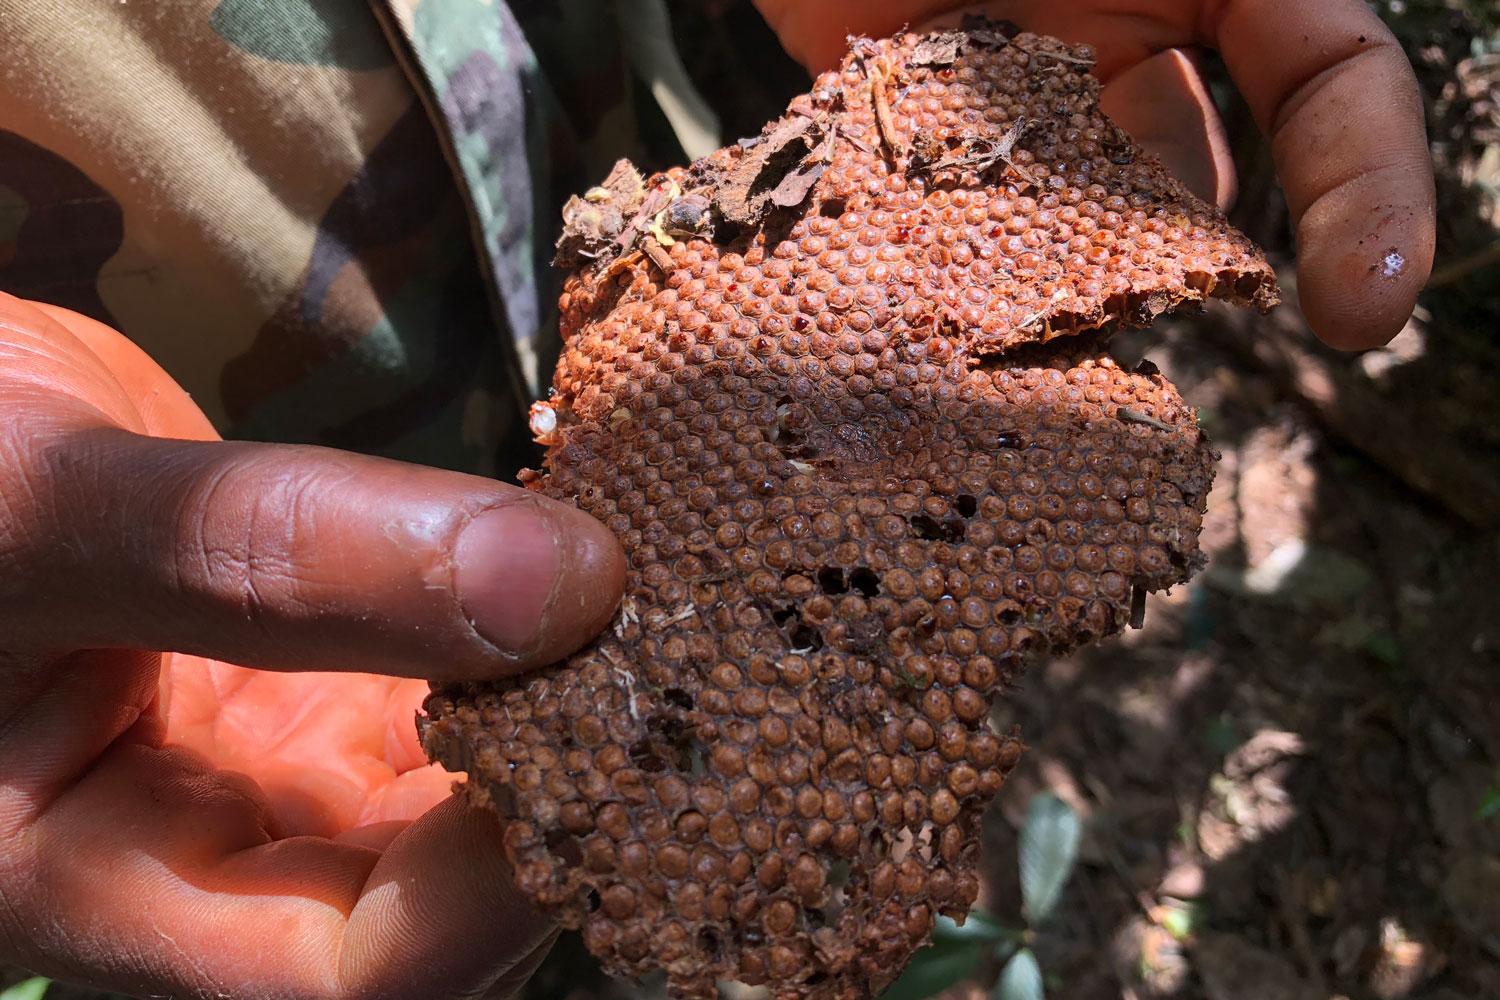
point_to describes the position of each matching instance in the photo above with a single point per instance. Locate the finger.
(302, 558)
(39, 354)
(377, 836)
(1344, 114)
(408, 796)
(1164, 105)
(443, 882)
(1122, 34)
(814, 33)
(513, 980)
(204, 902)
(165, 409)
(402, 747)
(274, 556)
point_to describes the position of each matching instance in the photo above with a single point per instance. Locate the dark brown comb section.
(811, 384)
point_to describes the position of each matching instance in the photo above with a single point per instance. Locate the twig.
(883, 121)
(996, 151)
(1130, 416)
(658, 256)
(1059, 56)
(1042, 313)
(865, 51)
(682, 614)
(1143, 900)
(1457, 270)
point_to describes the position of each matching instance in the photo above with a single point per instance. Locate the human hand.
(1326, 79)
(172, 824)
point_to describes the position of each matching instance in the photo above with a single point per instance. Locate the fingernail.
(509, 560)
(537, 579)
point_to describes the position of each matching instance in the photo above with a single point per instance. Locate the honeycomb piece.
(817, 384)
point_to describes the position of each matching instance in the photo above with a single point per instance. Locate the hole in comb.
(669, 744)
(805, 639)
(865, 580)
(644, 756)
(564, 846)
(831, 580)
(949, 529)
(839, 874)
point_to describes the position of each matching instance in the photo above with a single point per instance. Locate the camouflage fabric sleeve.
(327, 218)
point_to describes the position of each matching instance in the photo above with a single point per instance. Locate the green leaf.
(1049, 847)
(1384, 647)
(933, 970)
(646, 27)
(977, 926)
(1222, 735)
(1488, 806)
(1021, 980)
(1178, 922)
(27, 989)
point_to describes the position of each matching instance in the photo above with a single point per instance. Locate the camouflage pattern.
(330, 220)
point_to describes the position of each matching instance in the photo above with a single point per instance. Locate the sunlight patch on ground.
(1247, 799)
(1407, 346)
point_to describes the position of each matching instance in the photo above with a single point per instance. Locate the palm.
(335, 754)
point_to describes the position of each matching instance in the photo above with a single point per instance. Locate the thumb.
(1164, 104)
(283, 557)
(297, 558)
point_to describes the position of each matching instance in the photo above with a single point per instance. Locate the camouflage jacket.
(330, 220)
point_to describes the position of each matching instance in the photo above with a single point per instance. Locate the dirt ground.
(1291, 775)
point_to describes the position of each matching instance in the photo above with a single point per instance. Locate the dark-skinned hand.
(173, 824)
(1327, 82)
